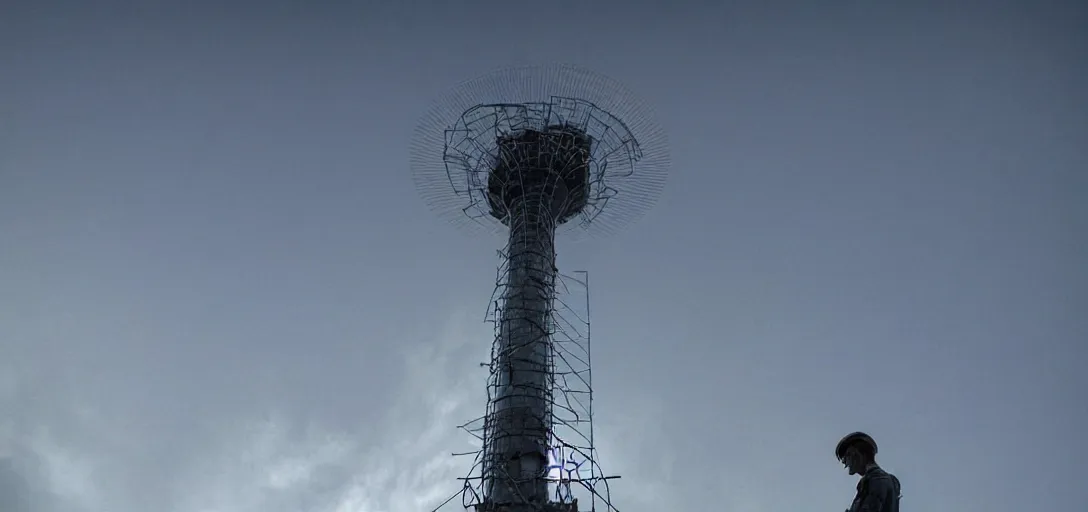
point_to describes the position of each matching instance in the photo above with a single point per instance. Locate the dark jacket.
(878, 491)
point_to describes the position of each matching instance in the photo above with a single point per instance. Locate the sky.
(220, 291)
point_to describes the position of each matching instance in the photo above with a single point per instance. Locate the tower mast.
(534, 151)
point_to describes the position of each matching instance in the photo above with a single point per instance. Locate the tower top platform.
(546, 171)
(461, 148)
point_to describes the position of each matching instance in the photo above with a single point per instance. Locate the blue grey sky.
(219, 291)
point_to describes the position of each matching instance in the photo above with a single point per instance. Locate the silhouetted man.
(878, 490)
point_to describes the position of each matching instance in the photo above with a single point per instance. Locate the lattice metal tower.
(534, 151)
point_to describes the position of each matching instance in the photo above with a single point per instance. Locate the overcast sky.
(219, 291)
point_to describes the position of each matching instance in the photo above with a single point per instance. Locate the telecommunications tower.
(533, 151)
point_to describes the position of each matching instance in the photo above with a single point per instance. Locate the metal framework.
(572, 474)
(542, 155)
(455, 140)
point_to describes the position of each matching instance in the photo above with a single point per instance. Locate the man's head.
(856, 451)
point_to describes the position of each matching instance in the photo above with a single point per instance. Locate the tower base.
(547, 507)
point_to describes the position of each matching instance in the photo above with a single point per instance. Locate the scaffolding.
(573, 475)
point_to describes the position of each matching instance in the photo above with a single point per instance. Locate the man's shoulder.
(876, 477)
(875, 471)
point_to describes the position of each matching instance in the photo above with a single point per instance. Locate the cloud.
(66, 458)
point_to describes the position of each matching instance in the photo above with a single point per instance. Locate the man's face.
(853, 461)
